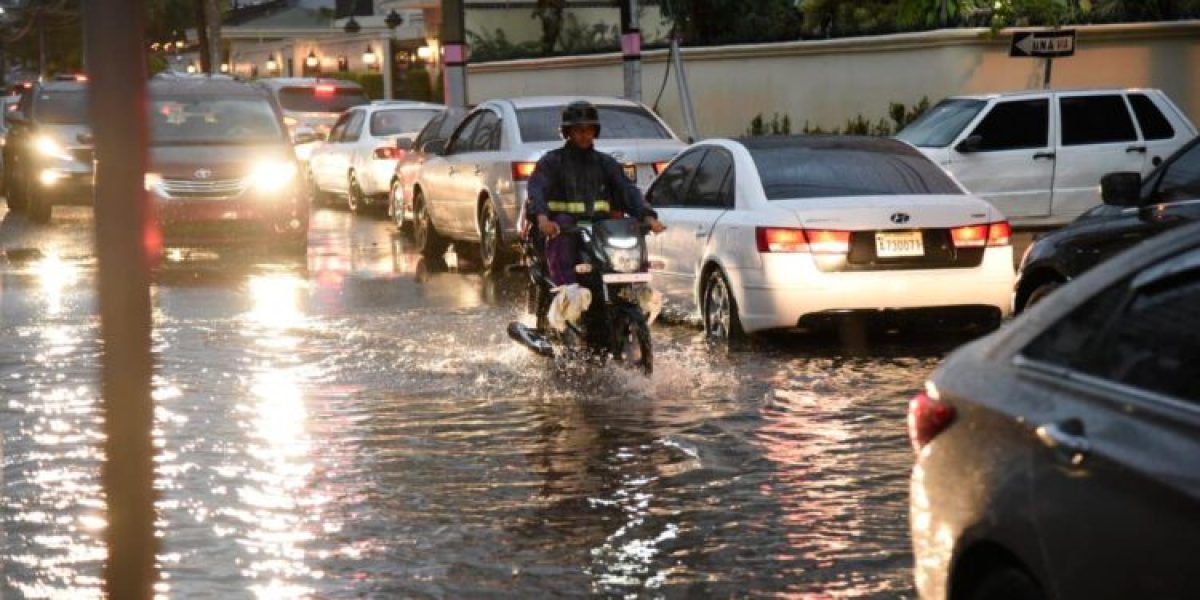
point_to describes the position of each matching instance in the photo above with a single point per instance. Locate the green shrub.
(899, 114)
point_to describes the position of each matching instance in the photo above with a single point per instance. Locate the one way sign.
(1043, 44)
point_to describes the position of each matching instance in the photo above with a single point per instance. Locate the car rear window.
(616, 123)
(799, 172)
(1155, 126)
(397, 121)
(322, 99)
(941, 124)
(61, 107)
(187, 120)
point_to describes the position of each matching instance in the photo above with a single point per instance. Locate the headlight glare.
(46, 146)
(151, 181)
(273, 176)
(624, 260)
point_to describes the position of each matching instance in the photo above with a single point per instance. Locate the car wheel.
(14, 193)
(355, 200)
(1040, 292)
(1004, 583)
(429, 242)
(491, 239)
(397, 204)
(720, 312)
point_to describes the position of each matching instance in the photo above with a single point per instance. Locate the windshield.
(392, 122)
(941, 124)
(326, 99)
(791, 173)
(178, 120)
(64, 108)
(616, 122)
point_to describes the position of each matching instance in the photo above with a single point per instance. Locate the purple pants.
(562, 252)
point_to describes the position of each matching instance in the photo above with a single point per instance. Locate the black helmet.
(579, 112)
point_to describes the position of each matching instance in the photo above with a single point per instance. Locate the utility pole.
(40, 17)
(126, 239)
(454, 53)
(202, 35)
(631, 49)
(212, 19)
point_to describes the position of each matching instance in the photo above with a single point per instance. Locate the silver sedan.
(473, 191)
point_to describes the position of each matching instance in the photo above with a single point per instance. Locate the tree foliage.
(733, 21)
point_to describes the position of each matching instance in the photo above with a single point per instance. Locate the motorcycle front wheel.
(632, 349)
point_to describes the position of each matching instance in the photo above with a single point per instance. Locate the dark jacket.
(583, 183)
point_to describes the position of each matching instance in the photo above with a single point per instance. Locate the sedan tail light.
(813, 241)
(522, 171)
(661, 166)
(388, 153)
(978, 236)
(927, 417)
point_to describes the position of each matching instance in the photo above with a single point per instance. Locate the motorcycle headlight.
(273, 176)
(624, 260)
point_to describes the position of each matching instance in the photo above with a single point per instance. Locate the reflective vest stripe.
(577, 208)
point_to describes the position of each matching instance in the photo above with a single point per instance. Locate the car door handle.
(701, 231)
(478, 170)
(1141, 149)
(1068, 438)
(1041, 155)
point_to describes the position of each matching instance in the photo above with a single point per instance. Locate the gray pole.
(41, 27)
(388, 84)
(631, 49)
(454, 53)
(126, 239)
(1046, 74)
(212, 19)
(685, 95)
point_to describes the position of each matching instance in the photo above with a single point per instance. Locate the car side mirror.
(434, 147)
(972, 143)
(305, 135)
(405, 144)
(1121, 189)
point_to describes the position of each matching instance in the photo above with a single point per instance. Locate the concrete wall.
(827, 82)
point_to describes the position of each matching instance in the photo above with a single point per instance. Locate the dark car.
(1056, 457)
(48, 149)
(222, 168)
(431, 140)
(1132, 211)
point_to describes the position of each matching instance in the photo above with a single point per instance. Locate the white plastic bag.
(570, 302)
(651, 301)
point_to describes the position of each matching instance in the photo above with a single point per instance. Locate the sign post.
(1043, 44)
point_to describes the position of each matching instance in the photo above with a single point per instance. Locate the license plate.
(626, 278)
(631, 172)
(896, 244)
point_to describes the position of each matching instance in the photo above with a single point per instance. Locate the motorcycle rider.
(577, 183)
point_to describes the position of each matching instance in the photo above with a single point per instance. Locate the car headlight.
(48, 147)
(273, 176)
(624, 260)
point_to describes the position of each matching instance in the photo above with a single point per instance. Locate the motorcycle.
(614, 267)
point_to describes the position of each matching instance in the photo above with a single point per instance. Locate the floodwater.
(357, 424)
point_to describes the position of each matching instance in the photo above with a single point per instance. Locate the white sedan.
(792, 232)
(359, 159)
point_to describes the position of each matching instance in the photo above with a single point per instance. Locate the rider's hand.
(655, 225)
(549, 228)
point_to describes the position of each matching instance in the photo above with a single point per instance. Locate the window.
(62, 107)
(487, 135)
(430, 130)
(321, 98)
(393, 122)
(461, 142)
(616, 123)
(1015, 125)
(1095, 120)
(1154, 124)
(1066, 343)
(354, 127)
(942, 123)
(708, 184)
(339, 128)
(668, 189)
(1181, 177)
(793, 172)
(206, 119)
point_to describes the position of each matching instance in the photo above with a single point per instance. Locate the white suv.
(1038, 156)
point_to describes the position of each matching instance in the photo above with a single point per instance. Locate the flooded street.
(357, 424)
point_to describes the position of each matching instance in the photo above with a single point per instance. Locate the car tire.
(1040, 292)
(402, 225)
(1005, 582)
(14, 193)
(355, 200)
(428, 241)
(719, 311)
(492, 254)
